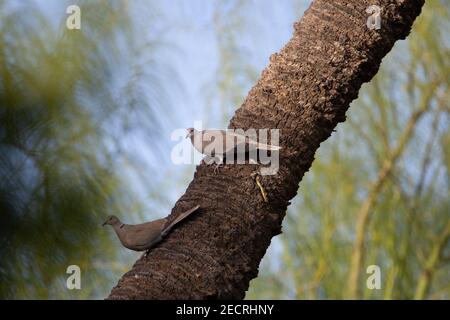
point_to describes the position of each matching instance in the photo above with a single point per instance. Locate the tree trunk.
(305, 92)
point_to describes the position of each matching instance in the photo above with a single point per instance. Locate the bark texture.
(305, 92)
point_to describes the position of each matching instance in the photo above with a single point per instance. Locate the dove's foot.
(213, 161)
(217, 167)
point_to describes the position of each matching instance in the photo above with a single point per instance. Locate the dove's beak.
(187, 135)
(104, 224)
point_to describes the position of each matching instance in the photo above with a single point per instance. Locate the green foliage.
(64, 101)
(399, 125)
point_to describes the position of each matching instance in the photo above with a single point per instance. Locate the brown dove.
(223, 143)
(140, 237)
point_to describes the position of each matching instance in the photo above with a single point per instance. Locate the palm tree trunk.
(305, 92)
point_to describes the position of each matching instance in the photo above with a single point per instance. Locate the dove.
(140, 237)
(223, 143)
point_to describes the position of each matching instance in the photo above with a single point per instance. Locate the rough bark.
(305, 92)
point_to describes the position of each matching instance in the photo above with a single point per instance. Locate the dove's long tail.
(181, 217)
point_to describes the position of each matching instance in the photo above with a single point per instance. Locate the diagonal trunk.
(305, 92)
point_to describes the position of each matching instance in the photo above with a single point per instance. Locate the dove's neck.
(197, 140)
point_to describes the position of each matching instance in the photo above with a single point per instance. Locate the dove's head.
(112, 220)
(190, 132)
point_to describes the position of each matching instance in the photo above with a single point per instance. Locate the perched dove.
(140, 237)
(223, 143)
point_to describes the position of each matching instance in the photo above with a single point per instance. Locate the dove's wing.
(142, 236)
(249, 143)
